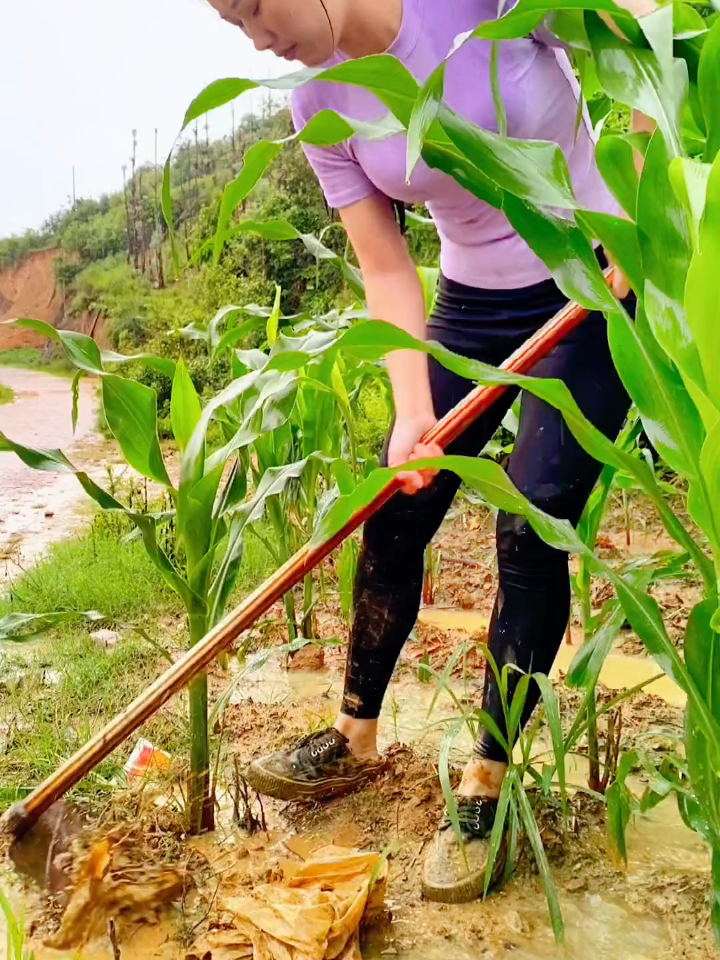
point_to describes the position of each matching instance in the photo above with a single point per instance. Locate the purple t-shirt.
(479, 247)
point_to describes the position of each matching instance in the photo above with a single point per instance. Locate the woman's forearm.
(397, 297)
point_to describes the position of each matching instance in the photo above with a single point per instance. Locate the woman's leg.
(555, 473)
(388, 586)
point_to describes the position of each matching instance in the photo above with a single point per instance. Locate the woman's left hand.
(618, 281)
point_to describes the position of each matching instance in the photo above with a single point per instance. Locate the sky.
(77, 76)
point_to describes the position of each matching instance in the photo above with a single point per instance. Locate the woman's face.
(302, 30)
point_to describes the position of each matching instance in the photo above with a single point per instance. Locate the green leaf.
(588, 661)
(216, 95)
(23, 627)
(533, 170)
(664, 234)
(446, 785)
(709, 90)
(552, 713)
(498, 830)
(163, 365)
(669, 324)
(565, 250)
(619, 238)
(669, 415)
(256, 161)
(131, 411)
(526, 15)
(273, 483)
(500, 114)
(710, 469)
(616, 161)
(702, 656)
(424, 114)
(702, 295)
(185, 406)
(619, 807)
(76, 398)
(536, 844)
(689, 179)
(274, 319)
(640, 79)
(517, 704)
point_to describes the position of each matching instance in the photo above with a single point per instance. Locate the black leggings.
(548, 465)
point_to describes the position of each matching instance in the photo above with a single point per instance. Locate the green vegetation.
(7, 395)
(30, 358)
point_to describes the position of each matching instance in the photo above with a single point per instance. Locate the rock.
(308, 658)
(107, 639)
(49, 514)
(576, 885)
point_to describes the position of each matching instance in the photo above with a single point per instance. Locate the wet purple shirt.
(479, 247)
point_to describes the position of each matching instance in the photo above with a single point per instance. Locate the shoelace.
(473, 814)
(320, 743)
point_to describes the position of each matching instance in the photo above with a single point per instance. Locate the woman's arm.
(394, 294)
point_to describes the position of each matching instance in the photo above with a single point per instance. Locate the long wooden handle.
(21, 816)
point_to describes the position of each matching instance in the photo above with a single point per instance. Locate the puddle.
(404, 717)
(38, 508)
(620, 672)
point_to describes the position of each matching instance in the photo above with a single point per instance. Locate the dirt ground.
(655, 908)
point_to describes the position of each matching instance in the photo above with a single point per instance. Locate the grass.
(95, 571)
(30, 358)
(6, 394)
(55, 693)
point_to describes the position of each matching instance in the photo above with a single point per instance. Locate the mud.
(38, 508)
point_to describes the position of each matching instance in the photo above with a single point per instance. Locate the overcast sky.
(77, 76)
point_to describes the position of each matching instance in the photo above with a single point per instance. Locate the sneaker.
(319, 766)
(448, 875)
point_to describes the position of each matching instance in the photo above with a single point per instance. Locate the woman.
(494, 293)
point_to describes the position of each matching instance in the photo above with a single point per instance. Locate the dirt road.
(38, 509)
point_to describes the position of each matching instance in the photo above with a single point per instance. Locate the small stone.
(107, 639)
(576, 885)
(49, 514)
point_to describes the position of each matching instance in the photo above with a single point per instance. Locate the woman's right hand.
(405, 446)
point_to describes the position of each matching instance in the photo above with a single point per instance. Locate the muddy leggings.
(547, 465)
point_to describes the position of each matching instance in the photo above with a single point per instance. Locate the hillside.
(30, 289)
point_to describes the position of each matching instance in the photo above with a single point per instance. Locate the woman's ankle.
(361, 735)
(482, 778)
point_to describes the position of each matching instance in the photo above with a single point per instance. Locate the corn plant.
(15, 948)
(211, 505)
(320, 434)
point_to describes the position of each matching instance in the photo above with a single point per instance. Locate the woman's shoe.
(317, 767)
(452, 874)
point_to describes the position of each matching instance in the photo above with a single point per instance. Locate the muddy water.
(619, 672)
(38, 509)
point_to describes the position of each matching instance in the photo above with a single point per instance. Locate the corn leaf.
(616, 161)
(709, 90)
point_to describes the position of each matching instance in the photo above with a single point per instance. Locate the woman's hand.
(405, 445)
